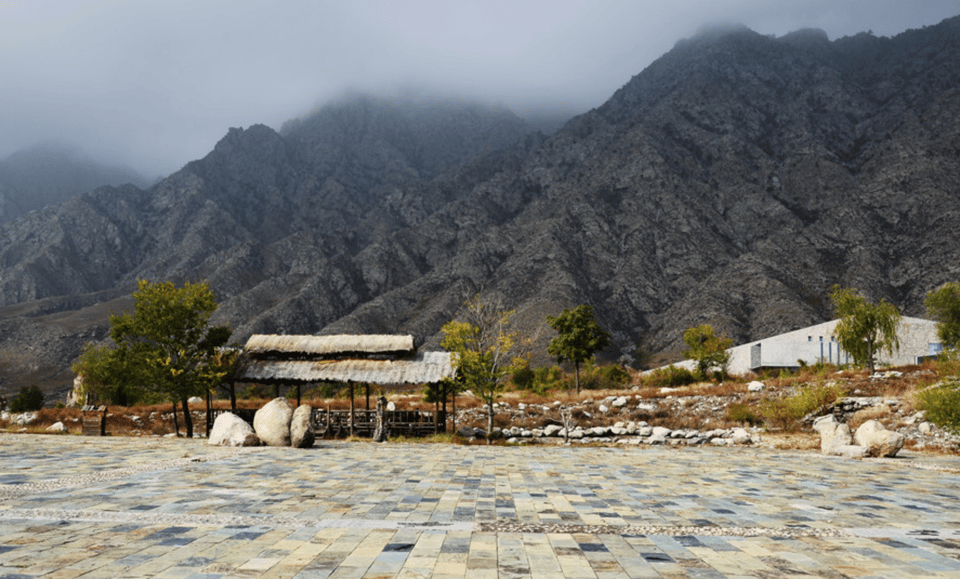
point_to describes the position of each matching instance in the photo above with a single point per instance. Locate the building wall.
(815, 343)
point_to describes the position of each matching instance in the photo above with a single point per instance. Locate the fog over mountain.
(153, 84)
(49, 174)
(731, 182)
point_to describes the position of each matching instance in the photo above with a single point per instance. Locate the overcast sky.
(155, 84)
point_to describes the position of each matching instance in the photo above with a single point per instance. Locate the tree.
(706, 349)
(864, 328)
(481, 345)
(943, 305)
(110, 375)
(169, 336)
(28, 400)
(579, 337)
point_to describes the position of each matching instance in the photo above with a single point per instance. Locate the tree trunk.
(444, 407)
(209, 414)
(453, 412)
(576, 365)
(490, 420)
(176, 425)
(187, 419)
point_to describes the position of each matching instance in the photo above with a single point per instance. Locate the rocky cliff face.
(732, 182)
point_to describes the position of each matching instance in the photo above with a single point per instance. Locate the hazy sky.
(156, 84)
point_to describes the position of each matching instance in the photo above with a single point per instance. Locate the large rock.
(835, 438)
(231, 430)
(56, 427)
(301, 432)
(272, 422)
(877, 440)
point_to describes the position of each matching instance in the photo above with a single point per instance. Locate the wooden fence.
(336, 423)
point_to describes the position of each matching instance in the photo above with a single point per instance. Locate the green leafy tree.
(482, 346)
(170, 337)
(943, 305)
(111, 375)
(28, 400)
(706, 349)
(865, 329)
(579, 337)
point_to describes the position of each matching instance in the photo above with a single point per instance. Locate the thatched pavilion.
(292, 360)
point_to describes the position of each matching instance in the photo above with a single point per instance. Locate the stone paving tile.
(111, 507)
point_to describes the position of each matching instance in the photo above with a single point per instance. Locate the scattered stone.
(926, 428)
(231, 430)
(552, 430)
(619, 402)
(877, 440)
(755, 386)
(194, 400)
(56, 427)
(272, 422)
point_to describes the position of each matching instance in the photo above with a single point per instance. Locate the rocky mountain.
(50, 174)
(732, 182)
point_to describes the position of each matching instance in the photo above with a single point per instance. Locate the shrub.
(670, 377)
(28, 400)
(524, 377)
(615, 374)
(740, 412)
(594, 377)
(547, 377)
(941, 405)
(787, 412)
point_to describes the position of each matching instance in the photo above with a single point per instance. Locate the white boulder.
(740, 436)
(57, 427)
(272, 422)
(878, 440)
(231, 430)
(552, 430)
(755, 386)
(835, 438)
(301, 433)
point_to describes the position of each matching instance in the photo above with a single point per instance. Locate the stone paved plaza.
(124, 507)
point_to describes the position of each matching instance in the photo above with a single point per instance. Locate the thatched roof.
(342, 345)
(424, 368)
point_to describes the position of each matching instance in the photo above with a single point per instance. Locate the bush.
(524, 378)
(941, 405)
(670, 377)
(603, 377)
(539, 380)
(28, 400)
(789, 411)
(740, 412)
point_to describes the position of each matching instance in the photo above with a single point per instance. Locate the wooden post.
(351, 408)
(298, 394)
(209, 414)
(366, 385)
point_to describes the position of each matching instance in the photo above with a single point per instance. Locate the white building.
(918, 340)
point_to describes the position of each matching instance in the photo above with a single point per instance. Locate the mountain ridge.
(732, 182)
